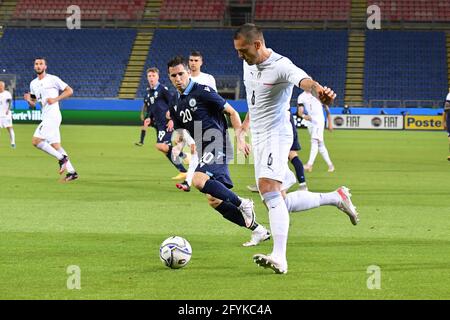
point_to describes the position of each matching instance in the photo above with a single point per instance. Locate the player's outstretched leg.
(340, 198)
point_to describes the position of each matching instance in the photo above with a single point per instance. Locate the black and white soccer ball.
(175, 252)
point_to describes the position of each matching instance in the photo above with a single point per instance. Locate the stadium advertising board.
(24, 116)
(424, 123)
(385, 122)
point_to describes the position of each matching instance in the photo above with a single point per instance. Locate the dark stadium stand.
(321, 53)
(288, 10)
(92, 61)
(90, 9)
(413, 10)
(192, 10)
(405, 65)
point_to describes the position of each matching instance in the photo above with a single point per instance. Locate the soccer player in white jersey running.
(195, 67)
(5, 113)
(269, 79)
(46, 89)
(314, 114)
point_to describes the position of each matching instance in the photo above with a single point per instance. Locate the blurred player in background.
(5, 113)
(269, 79)
(200, 110)
(46, 89)
(310, 108)
(155, 112)
(447, 119)
(195, 67)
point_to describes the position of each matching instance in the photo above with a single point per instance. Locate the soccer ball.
(175, 252)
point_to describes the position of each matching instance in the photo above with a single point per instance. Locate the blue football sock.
(299, 171)
(219, 191)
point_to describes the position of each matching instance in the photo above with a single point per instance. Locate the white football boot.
(346, 204)
(259, 235)
(267, 261)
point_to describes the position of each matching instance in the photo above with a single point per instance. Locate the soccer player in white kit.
(46, 89)
(5, 113)
(314, 114)
(269, 79)
(195, 68)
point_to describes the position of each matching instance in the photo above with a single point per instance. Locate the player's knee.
(213, 202)
(162, 147)
(198, 181)
(35, 141)
(292, 154)
(268, 185)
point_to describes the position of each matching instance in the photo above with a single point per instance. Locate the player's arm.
(235, 120)
(9, 104)
(446, 113)
(67, 92)
(324, 94)
(30, 98)
(301, 112)
(246, 123)
(328, 113)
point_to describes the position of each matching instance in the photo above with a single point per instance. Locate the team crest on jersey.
(156, 94)
(175, 107)
(192, 102)
(152, 100)
(207, 89)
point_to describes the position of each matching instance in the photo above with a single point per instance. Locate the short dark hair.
(196, 53)
(153, 69)
(41, 58)
(177, 60)
(250, 32)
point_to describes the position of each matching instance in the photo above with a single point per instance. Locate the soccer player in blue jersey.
(200, 110)
(154, 112)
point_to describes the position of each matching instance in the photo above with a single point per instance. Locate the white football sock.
(69, 166)
(44, 146)
(313, 152)
(304, 200)
(12, 136)
(324, 152)
(193, 164)
(329, 199)
(279, 223)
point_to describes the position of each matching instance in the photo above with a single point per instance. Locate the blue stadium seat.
(405, 65)
(86, 59)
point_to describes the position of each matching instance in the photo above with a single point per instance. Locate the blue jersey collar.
(188, 88)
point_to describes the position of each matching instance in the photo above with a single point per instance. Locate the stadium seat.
(287, 10)
(90, 10)
(92, 61)
(413, 10)
(192, 10)
(405, 65)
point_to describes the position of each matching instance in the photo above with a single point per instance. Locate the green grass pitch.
(112, 220)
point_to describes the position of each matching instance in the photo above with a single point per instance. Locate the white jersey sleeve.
(59, 84)
(290, 72)
(8, 96)
(213, 83)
